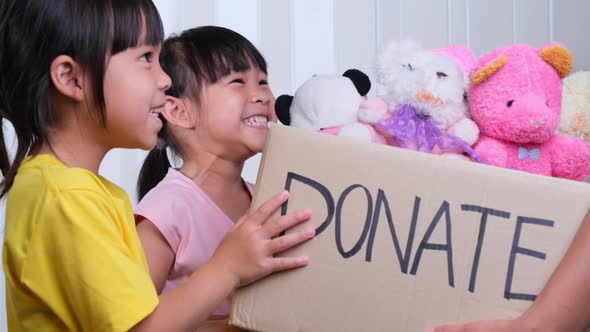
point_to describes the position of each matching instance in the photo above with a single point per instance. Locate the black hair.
(196, 57)
(33, 33)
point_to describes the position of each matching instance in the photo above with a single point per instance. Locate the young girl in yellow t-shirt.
(79, 78)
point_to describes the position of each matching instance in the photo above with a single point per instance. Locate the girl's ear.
(175, 111)
(67, 77)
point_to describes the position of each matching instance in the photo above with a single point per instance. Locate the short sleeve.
(167, 215)
(85, 263)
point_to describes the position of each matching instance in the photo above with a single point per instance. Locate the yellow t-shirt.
(72, 256)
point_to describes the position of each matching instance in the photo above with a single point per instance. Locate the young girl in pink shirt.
(215, 118)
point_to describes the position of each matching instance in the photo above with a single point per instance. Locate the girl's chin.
(147, 144)
(257, 147)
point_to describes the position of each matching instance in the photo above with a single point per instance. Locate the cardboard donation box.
(406, 239)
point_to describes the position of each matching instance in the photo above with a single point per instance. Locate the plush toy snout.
(527, 119)
(427, 97)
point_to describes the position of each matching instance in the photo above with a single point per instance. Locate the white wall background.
(300, 38)
(305, 37)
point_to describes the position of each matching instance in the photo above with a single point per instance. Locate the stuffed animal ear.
(462, 56)
(282, 109)
(484, 73)
(558, 57)
(361, 81)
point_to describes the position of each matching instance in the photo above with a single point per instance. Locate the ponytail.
(4, 161)
(156, 164)
(9, 169)
(16, 105)
(153, 170)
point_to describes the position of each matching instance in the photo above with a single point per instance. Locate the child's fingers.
(287, 263)
(287, 241)
(264, 212)
(279, 225)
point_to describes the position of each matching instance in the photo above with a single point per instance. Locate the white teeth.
(155, 111)
(256, 120)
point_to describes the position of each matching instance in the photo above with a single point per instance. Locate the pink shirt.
(190, 221)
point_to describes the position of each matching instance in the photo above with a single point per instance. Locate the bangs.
(129, 20)
(220, 52)
(224, 62)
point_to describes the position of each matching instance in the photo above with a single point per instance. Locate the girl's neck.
(213, 172)
(221, 179)
(74, 149)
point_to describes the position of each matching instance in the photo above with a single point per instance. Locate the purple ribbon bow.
(405, 124)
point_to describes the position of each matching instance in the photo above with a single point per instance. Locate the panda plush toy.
(331, 104)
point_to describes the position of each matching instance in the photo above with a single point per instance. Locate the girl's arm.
(245, 255)
(160, 257)
(564, 303)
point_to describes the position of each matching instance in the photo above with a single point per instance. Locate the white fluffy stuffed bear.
(432, 82)
(575, 106)
(330, 104)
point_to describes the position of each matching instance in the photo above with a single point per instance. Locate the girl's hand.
(247, 251)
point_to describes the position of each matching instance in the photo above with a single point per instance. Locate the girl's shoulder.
(45, 173)
(175, 194)
(174, 184)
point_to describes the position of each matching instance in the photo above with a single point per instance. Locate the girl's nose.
(260, 96)
(164, 81)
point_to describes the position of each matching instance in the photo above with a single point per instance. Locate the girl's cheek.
(273, 115)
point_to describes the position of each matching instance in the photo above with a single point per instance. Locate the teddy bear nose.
(425, 95)
(535, 105)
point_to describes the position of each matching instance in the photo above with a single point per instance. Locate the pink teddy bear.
(515, 99)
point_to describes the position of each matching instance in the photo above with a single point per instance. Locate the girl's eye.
(263, 82)
(238, 80)
(146, 57)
